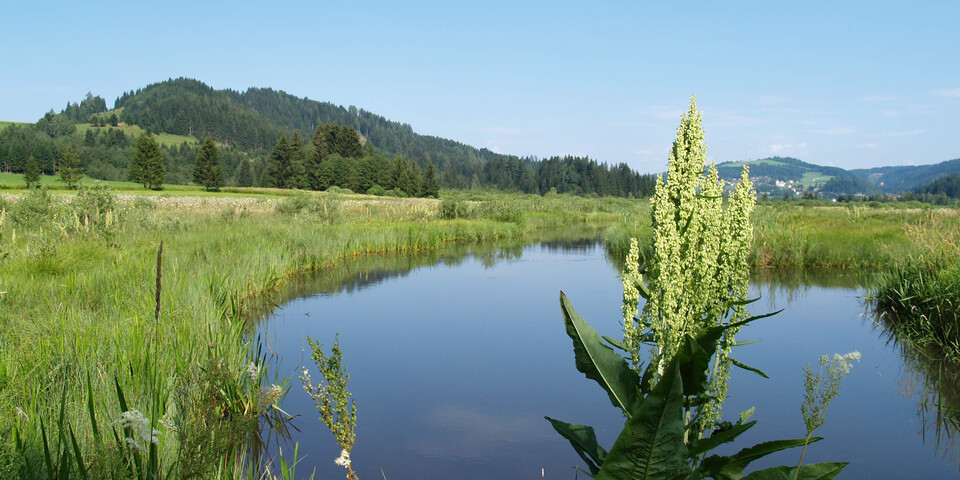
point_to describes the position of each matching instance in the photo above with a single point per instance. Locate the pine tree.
(297, 159)
(206, 168)
(31, 172)
(282, 171)
(314, 176)
(70, 171)
(430, 187)
(146, 163)
(244, 174)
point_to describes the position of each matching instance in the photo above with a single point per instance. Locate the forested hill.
(790, 176)
(256, 118)
(908, 177)
(250, 125)
(785, 175)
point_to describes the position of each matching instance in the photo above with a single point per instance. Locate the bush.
(502, 211)
(451, 209)
(96, 205)
(376, 190)
(33, 209)
(327, 209)
(395, 192)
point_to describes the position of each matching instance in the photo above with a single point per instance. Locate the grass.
(78, 294)
(134, 131)
(821, 237)
(5, 124)
(811, 179)
(918, 299)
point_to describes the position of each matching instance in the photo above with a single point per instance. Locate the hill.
(777, 176)
(908, 177)
(247, 126)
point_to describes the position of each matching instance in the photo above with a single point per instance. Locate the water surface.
(455, 357)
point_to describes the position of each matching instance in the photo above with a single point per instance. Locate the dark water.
(455, 357)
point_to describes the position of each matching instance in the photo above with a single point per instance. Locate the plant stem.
(802, 453)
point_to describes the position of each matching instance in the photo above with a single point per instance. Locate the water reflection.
(785, 286)
(933, 382)
(355, 274)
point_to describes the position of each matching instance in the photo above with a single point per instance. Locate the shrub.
(327, 209)
(451, 209)
(376, 190)
(96, 205)
(33, 209)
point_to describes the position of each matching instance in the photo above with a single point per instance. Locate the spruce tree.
(31, 172)
(70, 171)
(146, 163)
(245, 174)
(297, 159)
(279, 172)
(206, 168)
(430, 187)
(314, 176)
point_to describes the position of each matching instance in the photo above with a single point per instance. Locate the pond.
(455, 357)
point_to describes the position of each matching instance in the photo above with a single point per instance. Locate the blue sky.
(850, 84)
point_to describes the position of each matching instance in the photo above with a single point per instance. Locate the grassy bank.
(79, 342)
(831, 237)
(918, 299)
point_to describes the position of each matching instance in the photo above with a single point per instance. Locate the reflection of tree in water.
(782, 287)
(354, 274)
(934, 381)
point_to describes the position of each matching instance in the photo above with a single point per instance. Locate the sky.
(848, 84)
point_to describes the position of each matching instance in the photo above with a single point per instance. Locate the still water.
(455, 357)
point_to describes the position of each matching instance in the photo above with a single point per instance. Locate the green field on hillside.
(135, 131)
(5, 124)
(813, 178)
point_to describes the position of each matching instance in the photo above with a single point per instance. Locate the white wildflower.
(253, 371)
(272, 394)
(344, 459)
(823, 387)
(140, 426)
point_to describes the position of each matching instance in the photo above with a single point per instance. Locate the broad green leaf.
(599, 362)
(651, 445)
(584, 441)
(729, 468)
(694, 362)
(718, 437)
(747, 367)
(816, 471)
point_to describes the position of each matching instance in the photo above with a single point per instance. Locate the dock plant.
(697, 279)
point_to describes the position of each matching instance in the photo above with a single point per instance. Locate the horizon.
(830, 85)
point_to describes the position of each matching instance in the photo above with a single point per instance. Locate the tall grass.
(77, 309)
(918, 299)
(834, 237)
